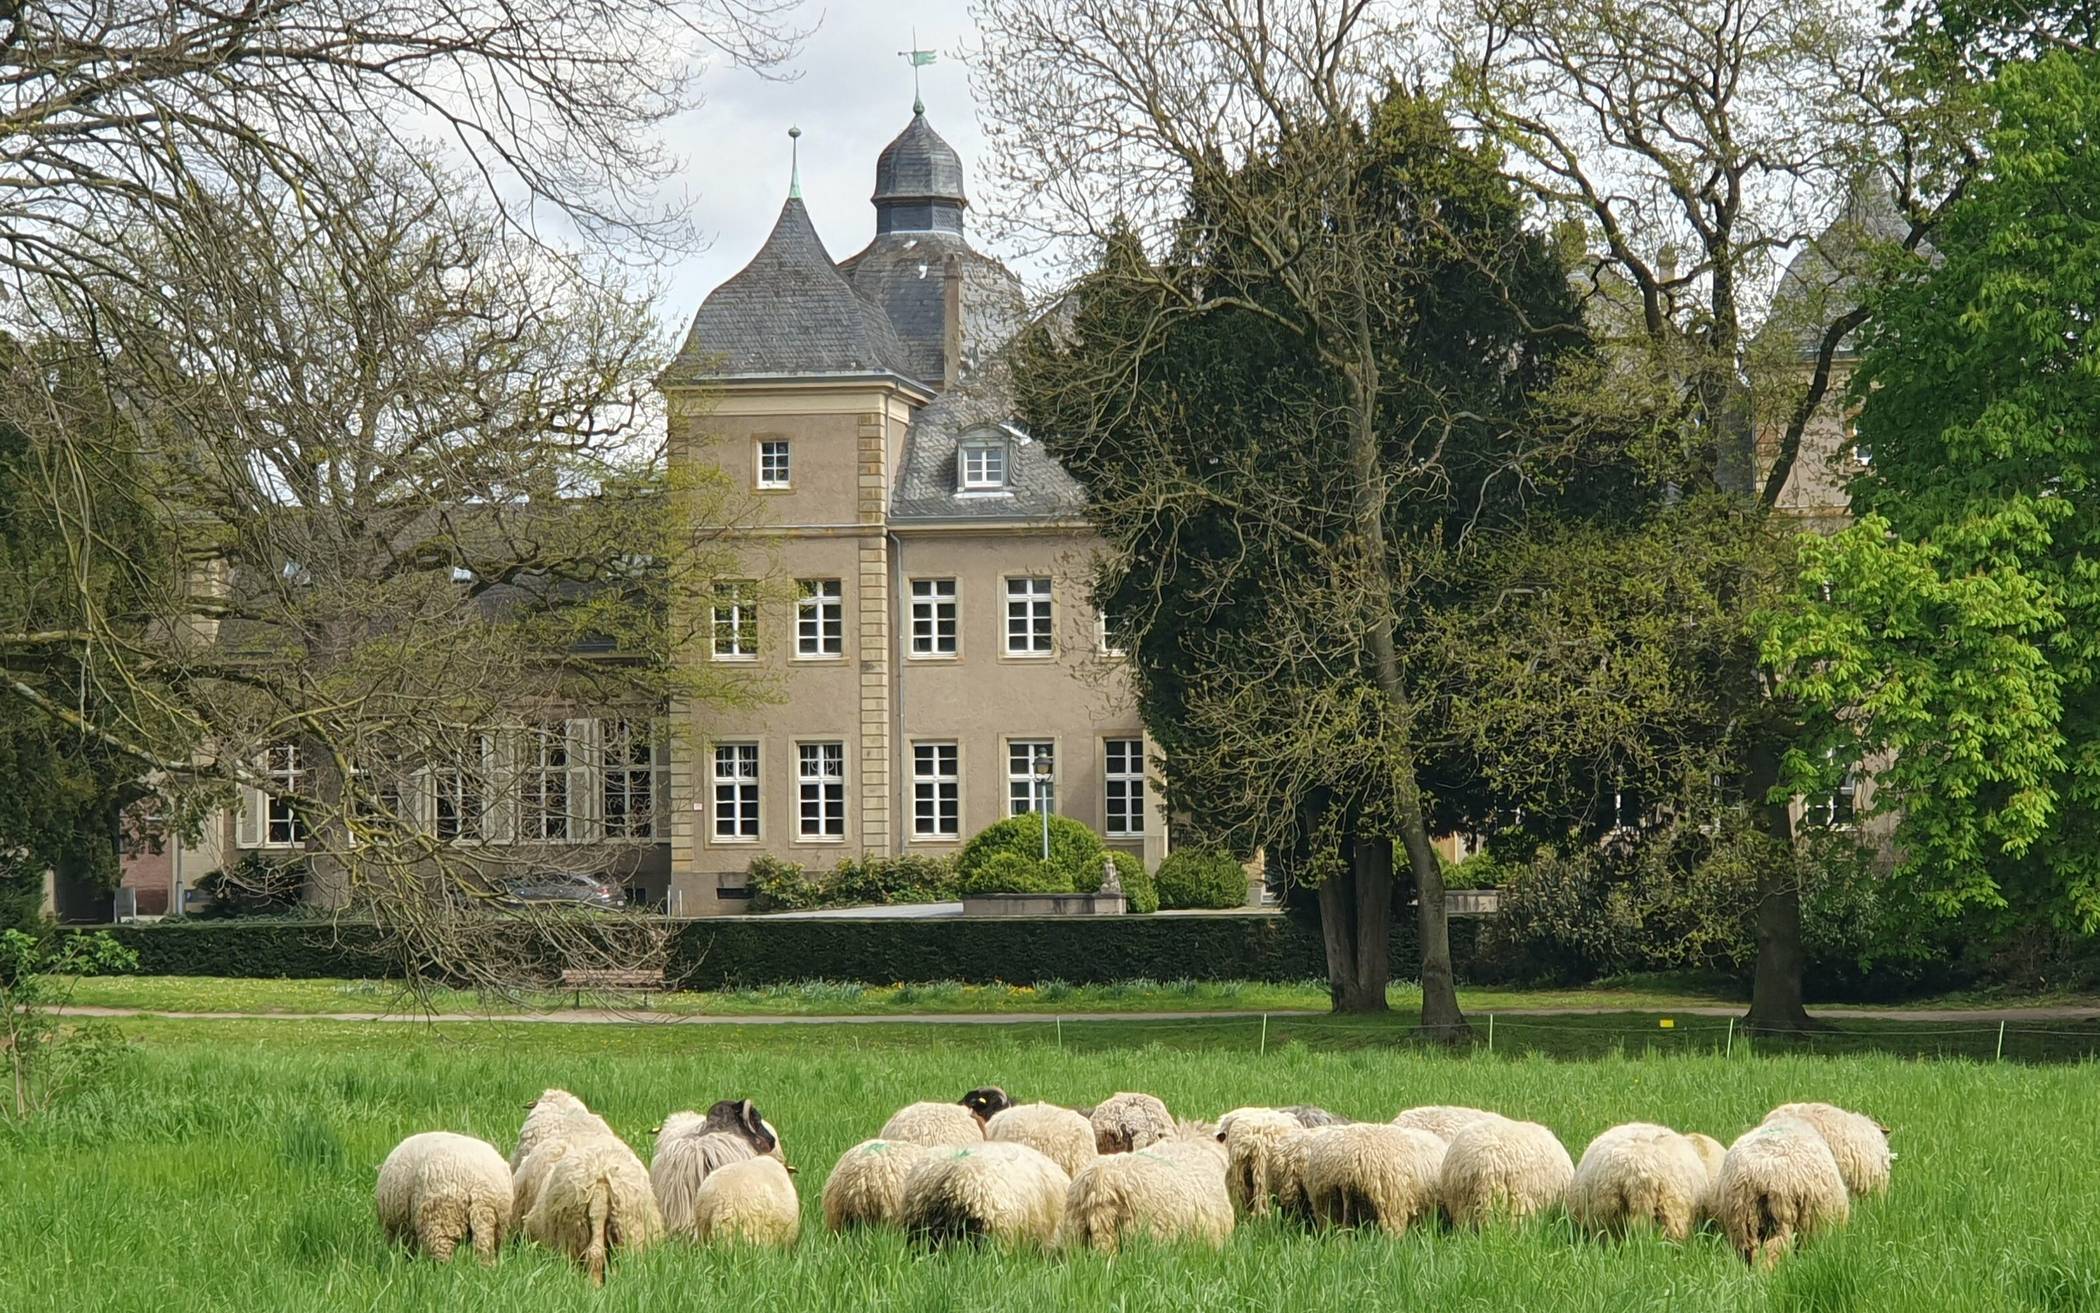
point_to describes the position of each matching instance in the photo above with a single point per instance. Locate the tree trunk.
(1372, 861)
(1776, 1001)
(1342, 934)
(1441, 1016)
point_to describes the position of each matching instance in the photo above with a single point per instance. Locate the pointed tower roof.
(789, 312)
(919, 181)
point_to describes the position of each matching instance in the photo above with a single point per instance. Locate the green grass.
(229, 1164)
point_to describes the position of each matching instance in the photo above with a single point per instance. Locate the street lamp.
(1043, 766)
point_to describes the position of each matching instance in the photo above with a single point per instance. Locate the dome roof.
(919, 181)
(789, 311)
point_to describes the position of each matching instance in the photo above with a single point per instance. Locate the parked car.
(565, 887)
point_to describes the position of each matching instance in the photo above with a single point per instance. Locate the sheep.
(936, 1125)
(1059, 1134)
(1443, 1121)
(1004, 1192)
(690, 1147)
(1253, 1138)
(1858, 1142)
(1125, 1122)
(987, 1102)
(866, 1188)
(1641, 1174)
(554, 1114)
(1366, 1173)
(594, 1198)
(1503, 1167)
(1174, 1189)
(438, 1189)
(752, 1201)
(1286, 1179)
(1311, 1118)
(1779, 1182)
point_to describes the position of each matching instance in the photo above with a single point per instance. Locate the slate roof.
(918, 165)
(789, 311)
(927, 479)
(902, 272)
(1822, 280)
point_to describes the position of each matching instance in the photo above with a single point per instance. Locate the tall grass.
(230, 1166)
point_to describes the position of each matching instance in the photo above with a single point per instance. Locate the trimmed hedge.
(1138, 889)
(1200, 879)
(256, 950)
(1016, 873)
(1075, 853)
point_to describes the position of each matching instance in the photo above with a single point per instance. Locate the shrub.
(778, 886)
(1014, 873)
(1476, 871)
(1201, 878)
(45, 1057)
(1137, 882)
(1075, 850)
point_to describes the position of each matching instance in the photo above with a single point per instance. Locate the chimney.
(951, 320)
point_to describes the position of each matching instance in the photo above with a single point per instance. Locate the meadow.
(228, 1165)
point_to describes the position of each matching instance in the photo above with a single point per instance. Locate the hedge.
(256, 950)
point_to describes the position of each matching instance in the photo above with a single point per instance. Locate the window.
(936, 791)
(983, 466)
(460, 804)
(1839, 808)
(773, 466)
(1105, 636)
(933, 617)
(1028, 616)
(548, 758)
(1022, 787)
(1124, 800)
(736, 791)
(282, 827)
(628, 756)
(820, 619)
(820, 774)
(736, 621)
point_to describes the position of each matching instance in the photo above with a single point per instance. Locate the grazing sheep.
(1253, 1139)
(438, 1189)
(690, 1147)
(1310, 1117)
(1858, 1142)
(936, 1125)
(1443, 1121)
(1125, 1122)
(1778, 1183)
(1174, 1189)
(866, 1188)
(1286, 1180)
(1362, 1174)
(1059, 1134)
(555, 1114)
(1637, 1175)
(1504, 1168)
(752, 1201)
(987, 1102)
(594, 1199)
(1003, 1192)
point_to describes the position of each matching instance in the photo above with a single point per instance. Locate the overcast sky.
(852, 96)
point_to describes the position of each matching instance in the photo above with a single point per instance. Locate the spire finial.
(919, 59)
(794, 164)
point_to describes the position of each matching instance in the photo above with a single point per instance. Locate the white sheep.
(1006, 1193)
(752, 1201)
(593, 1199)
(1858, 1142)
(866, 1187)
(1312, 1118)
(555, 1114)
(1172, 1189)
(1368, 1174)
(1059, 1134)
(1501, 1167)
(1443, 1120)
(438, 1189)
(1640, 1174)
(1286, 1180)
(689, 1147)
(1125, 1122)
(936, 1125)
(1253, 1139)
(1779, 1183)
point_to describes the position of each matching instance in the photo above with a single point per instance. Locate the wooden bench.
(641, 980)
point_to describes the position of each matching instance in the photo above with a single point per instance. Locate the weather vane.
(919, 59)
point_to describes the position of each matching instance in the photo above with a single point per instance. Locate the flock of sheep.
(1035, 1174)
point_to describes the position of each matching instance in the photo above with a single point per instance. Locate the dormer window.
(984, 465)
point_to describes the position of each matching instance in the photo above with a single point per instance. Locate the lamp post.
(1043, 766)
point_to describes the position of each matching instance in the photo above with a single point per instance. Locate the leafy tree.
(1948, 637)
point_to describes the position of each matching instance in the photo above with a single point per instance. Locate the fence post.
(1265, 1034)
(2001, 1040)
(1060, 1034)
(1729, 1052)
(1491, 1032)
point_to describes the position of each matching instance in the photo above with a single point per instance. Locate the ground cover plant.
(226, 1159)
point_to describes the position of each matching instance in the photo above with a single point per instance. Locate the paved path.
(619, 1016)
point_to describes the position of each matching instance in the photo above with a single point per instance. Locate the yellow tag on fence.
(1668, 1023)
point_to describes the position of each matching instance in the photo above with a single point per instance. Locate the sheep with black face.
(690, 1148)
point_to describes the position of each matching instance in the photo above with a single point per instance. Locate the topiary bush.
(1201, 878)
(1075, 851)
(1014, 873)
(1138, 887)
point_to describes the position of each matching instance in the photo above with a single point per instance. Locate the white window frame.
(928, 788)
(737, 796)
(460, 781)
(1020, 775)
(733, 635)
(281, 826)
(1104, 642)
(983, 454)
(635, 781)
(1822, 812)
(820, 605)
(768, 479)
(1124, 787)
(550, 758)
(1030, 601)
(824, 786)
(927, 597)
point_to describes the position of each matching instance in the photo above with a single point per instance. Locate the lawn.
(228, 1166)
